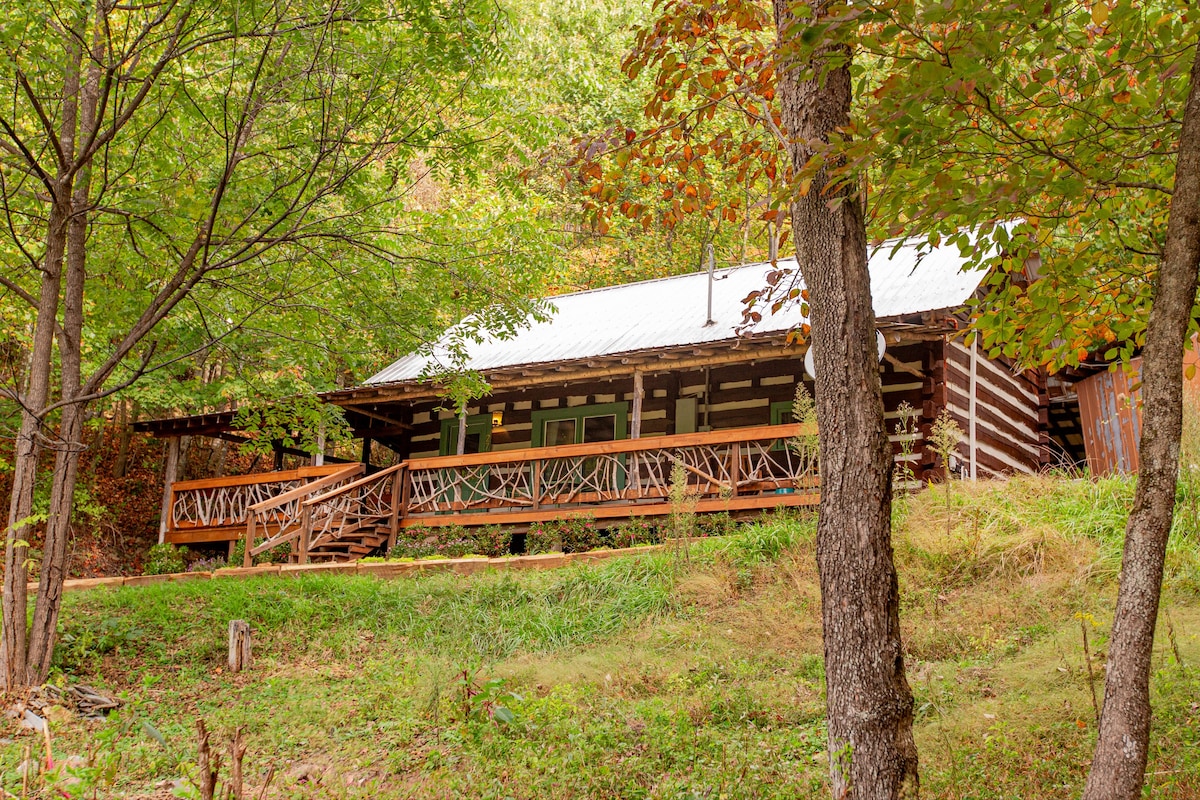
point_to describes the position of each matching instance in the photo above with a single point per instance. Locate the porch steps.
(352, 546)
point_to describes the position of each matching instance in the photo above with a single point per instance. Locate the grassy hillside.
(674, 675)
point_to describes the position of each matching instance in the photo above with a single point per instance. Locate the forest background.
(484, 211)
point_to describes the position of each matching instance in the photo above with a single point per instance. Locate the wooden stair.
(352, 546)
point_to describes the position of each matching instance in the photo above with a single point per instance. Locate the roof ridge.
(664, 278)
(891, 243)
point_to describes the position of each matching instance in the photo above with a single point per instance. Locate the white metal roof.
(671, 312)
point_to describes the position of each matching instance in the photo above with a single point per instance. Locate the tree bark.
(869, 703)
(70, 436)
(1119, 763)
(13, 639)
(124, 434)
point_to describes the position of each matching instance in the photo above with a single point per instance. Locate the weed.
(487, 700)
(805, 446)
(165, 558)
(903, 477)
(945, 437)
(683, 510)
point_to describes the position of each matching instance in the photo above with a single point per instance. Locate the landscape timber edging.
(380, 569)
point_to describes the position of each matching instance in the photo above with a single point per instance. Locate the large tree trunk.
(869, 703)
(1119, 764)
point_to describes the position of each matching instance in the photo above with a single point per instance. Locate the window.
(479, 435)
(781, 412)
(599, 423)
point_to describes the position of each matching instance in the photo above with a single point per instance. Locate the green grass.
(667, 675)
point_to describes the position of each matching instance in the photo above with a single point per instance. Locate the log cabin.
(592, 407)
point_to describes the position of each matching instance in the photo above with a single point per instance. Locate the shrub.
(207, 564)
(635, 531)
(275, 554)
(164, 559)
(580, 534)
(414, 543)
(721, 524)
(454, 548)
(452, 541)
(491, 541)
(543, 537)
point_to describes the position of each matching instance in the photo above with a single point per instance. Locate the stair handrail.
(349, 487)
(308, 488)
(331, 525)
(253, 512)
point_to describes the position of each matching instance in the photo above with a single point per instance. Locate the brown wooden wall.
(1011, 414)
(741, 395)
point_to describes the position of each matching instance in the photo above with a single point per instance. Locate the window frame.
(778, 409)
(619, 410)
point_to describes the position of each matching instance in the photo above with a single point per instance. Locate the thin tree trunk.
(1119, 763)
(79, 110)
(124, 432)
(868, 700)
(70, 438)
(13, 639)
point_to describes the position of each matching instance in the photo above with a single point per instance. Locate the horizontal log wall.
(738, 396)
(1009, 411)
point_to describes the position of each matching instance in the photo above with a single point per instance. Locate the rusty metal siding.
(1110, 413)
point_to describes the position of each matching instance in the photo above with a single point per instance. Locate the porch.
(343, 512)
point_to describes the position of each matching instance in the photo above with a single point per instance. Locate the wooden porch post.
(536, 489)
(399, 506)
(305, 533)
(639, 392)
(170, 473)
(735, 467)
(318, 457)
(462, 431)
(247, 559)
(278, 448)
(366, 453)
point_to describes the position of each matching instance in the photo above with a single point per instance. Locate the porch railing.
(216, 509)
(728, 470)
(735, 469)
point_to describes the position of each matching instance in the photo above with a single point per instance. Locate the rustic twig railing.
(215, 509)
(346, 513)
(735, 469)
(367, 503)
(284, 519)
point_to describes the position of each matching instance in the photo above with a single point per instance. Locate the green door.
(479, 440)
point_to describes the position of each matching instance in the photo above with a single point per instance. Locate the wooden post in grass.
(239, 645)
